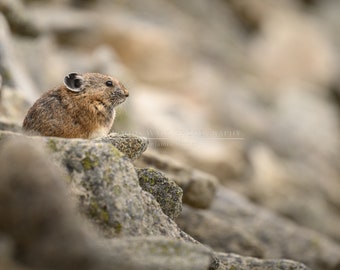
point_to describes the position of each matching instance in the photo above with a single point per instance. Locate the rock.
(233, 261)
(153, 253)
(19, 20)
(54, 236)
(39, 219)
(11, 68)
(76, 27)
(165, 191)
(153, 52)
(37, 216)
(154, 56)
(249, 13)
(230, 79)
(225, 237)
(9, 126)
(273, 177)
(131, 145)
(13, 106)
(243, 228)
(313, 61)
(198, 187)
(33, 192)
(107, 188)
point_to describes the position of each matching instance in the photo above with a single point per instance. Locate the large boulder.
(39, 197)
(107, 189)
(41, 229)
(246, 229)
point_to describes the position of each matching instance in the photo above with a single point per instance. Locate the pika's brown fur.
(84, 107)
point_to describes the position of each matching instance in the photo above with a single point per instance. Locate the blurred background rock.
(247, 90)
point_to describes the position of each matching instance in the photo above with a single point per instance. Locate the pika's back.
(84, 107)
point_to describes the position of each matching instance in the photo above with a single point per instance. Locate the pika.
(84, 107)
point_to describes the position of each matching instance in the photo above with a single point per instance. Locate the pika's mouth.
(118, 98)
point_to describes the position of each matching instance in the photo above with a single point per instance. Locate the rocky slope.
(233, 110)
(77, 204)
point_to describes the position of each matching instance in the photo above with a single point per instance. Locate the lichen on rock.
(131, 145)
(107, 189)
(167, 193)
(198, 187)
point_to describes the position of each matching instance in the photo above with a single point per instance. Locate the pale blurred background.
(247, 90)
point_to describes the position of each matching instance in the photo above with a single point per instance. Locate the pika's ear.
(73, 82)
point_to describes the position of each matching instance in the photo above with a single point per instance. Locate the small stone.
(9, 126)
(18, 18)
(167, 193)
(199, 188)
(131, 145)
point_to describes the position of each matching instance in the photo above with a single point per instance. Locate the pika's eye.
(109, 83)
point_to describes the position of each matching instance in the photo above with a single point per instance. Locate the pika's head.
(97, 87)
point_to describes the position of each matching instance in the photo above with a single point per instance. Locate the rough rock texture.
(40, 227)
(107, 188)
(198, 187)
(165, 191)
(131, 145)
(232, 261)
(30, 182)
(11, 68)
(153, 253)
(12, 107)
(243, 228)
(104, 185)
(222, 88)
(183, 85)
(35, 212)
(17, 18)
(4, 125)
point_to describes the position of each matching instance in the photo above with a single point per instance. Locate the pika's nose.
(125, 92)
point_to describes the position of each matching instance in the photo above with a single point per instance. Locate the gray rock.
(13, 108)
(39, 224)
(224, 237)
(165, 191)
(11, 67)
(298, 169)
(153, 253)
(198, 187)
(246, 229)
(8, 126)
(36, 215)
(33, 192)
(131, 145)
(225, 261)
(18, 19)
(109, 192)
(106, 186)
